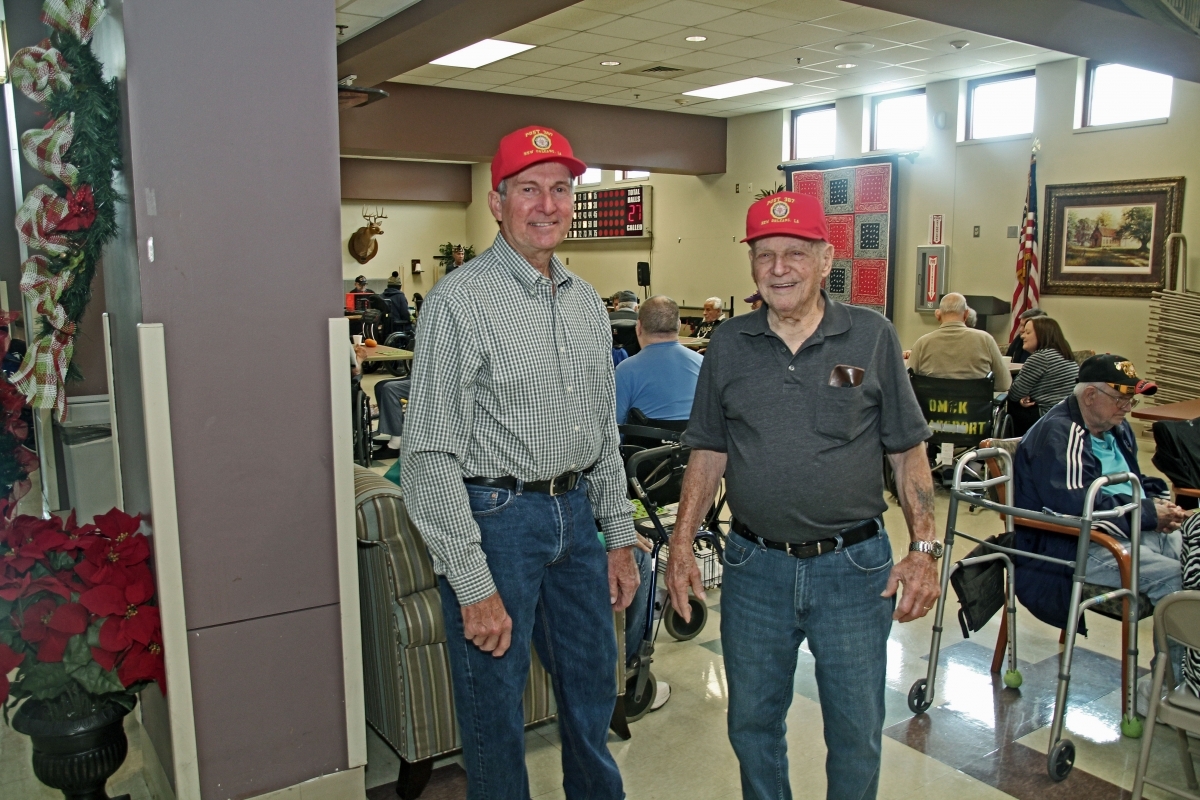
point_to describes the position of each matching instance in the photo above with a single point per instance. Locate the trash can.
(87, 479)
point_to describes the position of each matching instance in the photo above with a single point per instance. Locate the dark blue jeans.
(770, 603)
(551, 570)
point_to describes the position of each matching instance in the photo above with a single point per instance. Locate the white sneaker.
(1144, 685)
(662, 693)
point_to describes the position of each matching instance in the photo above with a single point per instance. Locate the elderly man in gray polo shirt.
(510, 457)
(796, 405)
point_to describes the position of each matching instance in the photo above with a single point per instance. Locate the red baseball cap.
(529, 146)
(786, 214)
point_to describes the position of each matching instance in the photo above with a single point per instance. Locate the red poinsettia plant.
(77, 613)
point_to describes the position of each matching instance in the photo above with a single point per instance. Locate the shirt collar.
(524, 272)
(954, 325)
(659, 344)
(836, 320)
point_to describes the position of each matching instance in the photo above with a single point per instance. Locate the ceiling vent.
(660, 71)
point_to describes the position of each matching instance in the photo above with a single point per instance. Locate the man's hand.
(643, 543)
(623, 578)
(488, 625)
(918, 573)
(1170, 516)
(683, 573)
(1027, 402)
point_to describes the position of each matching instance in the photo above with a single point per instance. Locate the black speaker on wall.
(643, 268)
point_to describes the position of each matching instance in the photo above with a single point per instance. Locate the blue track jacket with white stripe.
(1052, 470)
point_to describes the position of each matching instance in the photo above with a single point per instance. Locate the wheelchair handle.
(637, 458)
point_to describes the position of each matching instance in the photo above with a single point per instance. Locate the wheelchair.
(655, 462)
(360, 414)
(960, 413)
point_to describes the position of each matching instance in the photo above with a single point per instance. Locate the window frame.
(879, 98)
(622, 175)
(597, 182)
(1089, 80)
(974, 83)
(799, 112)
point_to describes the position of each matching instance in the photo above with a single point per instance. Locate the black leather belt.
(560, 484)
(853, 535)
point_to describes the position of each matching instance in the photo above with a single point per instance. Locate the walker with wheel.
(1061, 755)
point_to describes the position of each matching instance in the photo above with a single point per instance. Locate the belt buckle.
(554, 486)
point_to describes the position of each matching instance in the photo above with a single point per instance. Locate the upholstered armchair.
(409, 700)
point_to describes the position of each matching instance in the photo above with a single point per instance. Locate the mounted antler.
(363, 246)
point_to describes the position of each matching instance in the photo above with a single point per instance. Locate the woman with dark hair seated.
(1047, 376)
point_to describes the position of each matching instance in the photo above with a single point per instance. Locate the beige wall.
(411, 230)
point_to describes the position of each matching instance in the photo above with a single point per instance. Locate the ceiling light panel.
(481, 53)
(738, 88)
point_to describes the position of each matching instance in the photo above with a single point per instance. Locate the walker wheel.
(1131, 727)
(1013, 679)
(683, 631)
(1061, 759)
(918, 703)
(635, 709)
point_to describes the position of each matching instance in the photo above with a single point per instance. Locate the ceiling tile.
(657, 104)
(576, 18)
(1041, 58)
(891, 86)
(900, 54)
(675, 86)
(918, 30)
(592, 43)
(469, 85)
(549, 55)
(749, 48)
(436, 71)
(489, 77)
(975, 41)
(539, 82)
(591, 89)
(624, 65)
(713, 77)
(975, 71)
(854, 78)
(703, 60)
(574, 73)
(711, 38)
(745, 23)
(534, 34)
(1007, 52)
(610, 100)
(739, 5)
(945, 63)
(415, 79)
(831, 45)
(804, 10)
(563, 94)
(514, 67)
(619, 6)
(651, 52)
(506, 89)
(685, 12)
(355, 24)
(801, 34)
(862, 19)
(753, 67)
(376, 8)
(624, 80)
(635, 28)
(809, 56)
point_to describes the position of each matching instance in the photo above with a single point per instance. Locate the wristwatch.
(933, 548)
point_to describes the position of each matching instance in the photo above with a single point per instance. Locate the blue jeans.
(635, 615)
(551, 570)
(770, 603)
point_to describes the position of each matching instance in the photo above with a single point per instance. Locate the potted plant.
(77, 622)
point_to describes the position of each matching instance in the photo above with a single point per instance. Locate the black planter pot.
(76, 756)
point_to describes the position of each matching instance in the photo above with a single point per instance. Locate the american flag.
(1026, 295)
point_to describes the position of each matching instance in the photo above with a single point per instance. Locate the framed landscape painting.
(1110, 238)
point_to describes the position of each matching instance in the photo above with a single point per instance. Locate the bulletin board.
(859, 196)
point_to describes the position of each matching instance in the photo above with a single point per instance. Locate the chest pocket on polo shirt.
(843, 412)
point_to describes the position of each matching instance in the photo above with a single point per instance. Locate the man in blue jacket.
(1083, 437)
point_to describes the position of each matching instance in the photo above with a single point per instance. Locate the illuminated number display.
(609, 213)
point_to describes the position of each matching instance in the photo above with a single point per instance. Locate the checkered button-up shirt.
(510, 378)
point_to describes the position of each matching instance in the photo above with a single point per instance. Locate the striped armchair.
(409, 701)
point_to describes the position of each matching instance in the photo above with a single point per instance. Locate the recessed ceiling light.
(846, 66)
(610, 63)
(959, 44)
(735, 88)
(853, 47)
(696, 39)
(481, 53)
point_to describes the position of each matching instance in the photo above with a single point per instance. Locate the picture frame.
(1109, 239)
(933, 266)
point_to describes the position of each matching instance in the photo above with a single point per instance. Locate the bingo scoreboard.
(611, 214)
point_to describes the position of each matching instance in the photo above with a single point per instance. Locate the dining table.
(384, 353)
(693, 342)
(1169, 412)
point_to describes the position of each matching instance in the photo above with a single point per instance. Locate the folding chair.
(1177, 617)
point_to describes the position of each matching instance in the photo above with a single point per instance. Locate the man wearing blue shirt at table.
(660, 381)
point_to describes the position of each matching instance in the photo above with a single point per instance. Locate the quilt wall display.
(859, 196)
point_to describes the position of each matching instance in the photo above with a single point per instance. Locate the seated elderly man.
(1080, 439)
(623, 320)
(713, 316)
(660, 381)
(955, 350)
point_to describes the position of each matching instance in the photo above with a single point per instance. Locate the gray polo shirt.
(805, 458)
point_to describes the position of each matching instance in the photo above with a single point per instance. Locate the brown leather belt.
(850, 536)
(559, 484)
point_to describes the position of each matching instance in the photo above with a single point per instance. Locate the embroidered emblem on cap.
(541, 141)
(779, 210)
(1127, 368)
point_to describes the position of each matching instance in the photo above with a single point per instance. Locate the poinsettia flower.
(105, 659)
(144, 663)
(128, 618)
(50, 626)
(118, 525)
(106, 561)
(9, 660)
(13, 584)
(29, 538)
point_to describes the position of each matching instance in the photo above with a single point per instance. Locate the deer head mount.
(363, 246)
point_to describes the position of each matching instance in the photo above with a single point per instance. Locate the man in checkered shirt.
(509, 459)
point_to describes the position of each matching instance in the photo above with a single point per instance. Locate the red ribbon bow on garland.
(44, 149)
(40, 72)
(79, 17)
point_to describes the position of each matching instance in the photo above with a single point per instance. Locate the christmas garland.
(72, 216)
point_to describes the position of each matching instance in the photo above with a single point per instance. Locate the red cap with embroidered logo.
(529, 146)
(786, 214)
